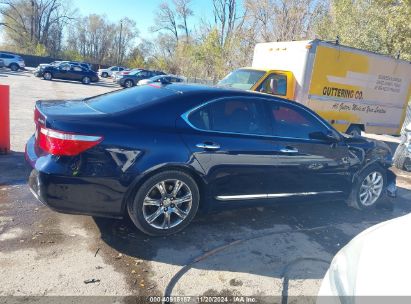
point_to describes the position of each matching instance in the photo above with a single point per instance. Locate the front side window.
(232, 116)
(293, 122)
(65, 67)
(275, 84)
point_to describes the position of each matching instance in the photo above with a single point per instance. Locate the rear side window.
(127, 99)
(232, 116)
(77, 69)
(290, 121)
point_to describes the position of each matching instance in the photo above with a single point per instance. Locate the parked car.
(2, 63)
(402, 155)
(117, 75)
(375, 263)
(160, 152)
(131, 79)
(69, 71)
(162, 78)
(12, 61)
(108, 72)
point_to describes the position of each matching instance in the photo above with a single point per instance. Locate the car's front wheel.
(104, 75)
(14, 67)
(129, 83)
(369, 188)
(47, 76)
(165, 204)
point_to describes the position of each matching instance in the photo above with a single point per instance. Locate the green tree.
(381, 26)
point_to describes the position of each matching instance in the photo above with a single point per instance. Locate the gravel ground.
(273, 251)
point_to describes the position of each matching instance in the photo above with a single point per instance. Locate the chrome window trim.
(269, 195)
(185, 117)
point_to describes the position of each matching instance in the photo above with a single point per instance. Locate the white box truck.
(355, 90)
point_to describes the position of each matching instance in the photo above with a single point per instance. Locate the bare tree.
(32, 22)
(183, 12)
(166, 19)
(226, 18)
(283, 19)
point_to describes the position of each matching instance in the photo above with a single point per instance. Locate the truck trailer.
(353, 89)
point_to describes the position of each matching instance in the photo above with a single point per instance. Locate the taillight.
(65, 144)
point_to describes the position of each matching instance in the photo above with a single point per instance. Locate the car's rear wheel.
(14, 67)
(369, 188)
(104, 75)
(86, 80)
(165, 204)
(47, 76)
(129, 83)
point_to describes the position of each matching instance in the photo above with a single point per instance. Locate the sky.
(141, 11)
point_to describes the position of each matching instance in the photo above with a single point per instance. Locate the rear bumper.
(52, 184)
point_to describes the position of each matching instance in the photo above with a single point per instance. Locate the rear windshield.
(126, 99)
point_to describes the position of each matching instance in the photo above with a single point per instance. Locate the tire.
(400, 157)
(357, 196)
(14, 67)
(47, 76)
(128, 84)
(104, 75)
(354, 131)
(86, 80)
(158, 205)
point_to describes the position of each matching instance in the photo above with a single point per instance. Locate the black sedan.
(68, 71)
(160, 152)
(131, 79)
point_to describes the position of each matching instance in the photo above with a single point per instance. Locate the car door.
(62, 71)
(76, 73)
(302, 165)
(230, 138)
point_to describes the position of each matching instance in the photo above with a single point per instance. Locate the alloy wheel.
(47, 76)
(128, 84)
(371, 188)
(86, 80)
(167, 204)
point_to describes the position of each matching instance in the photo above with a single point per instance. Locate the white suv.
(12, 61)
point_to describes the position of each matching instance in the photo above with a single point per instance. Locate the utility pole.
(119, 42)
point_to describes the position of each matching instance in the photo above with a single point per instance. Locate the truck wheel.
(354, 131)
(400, 158)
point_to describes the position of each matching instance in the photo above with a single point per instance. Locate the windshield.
(241, 79)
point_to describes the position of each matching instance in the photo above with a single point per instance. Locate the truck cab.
(274, 82)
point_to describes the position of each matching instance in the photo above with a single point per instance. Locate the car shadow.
(14, 170)
(6, 72)
(294, 241)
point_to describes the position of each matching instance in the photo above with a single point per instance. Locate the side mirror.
(328, 137)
